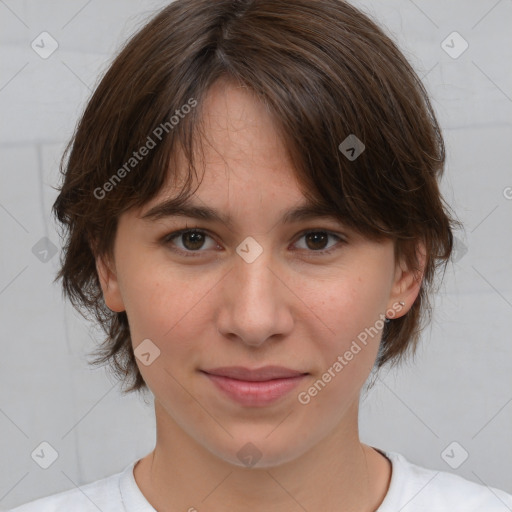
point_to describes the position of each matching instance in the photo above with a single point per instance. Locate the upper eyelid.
(210, 233)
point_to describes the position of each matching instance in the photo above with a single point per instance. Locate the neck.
(338, 471)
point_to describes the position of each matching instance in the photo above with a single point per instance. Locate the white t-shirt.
(412, 489)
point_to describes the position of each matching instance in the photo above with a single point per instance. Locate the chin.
(260, 452)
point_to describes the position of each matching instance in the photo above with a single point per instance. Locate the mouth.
(257, 387)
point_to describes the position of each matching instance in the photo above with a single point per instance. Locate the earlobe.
(109, 285)
(408, 282)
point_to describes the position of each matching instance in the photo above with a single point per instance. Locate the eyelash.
(175, 234)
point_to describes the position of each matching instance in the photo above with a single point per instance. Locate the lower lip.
(255, 393)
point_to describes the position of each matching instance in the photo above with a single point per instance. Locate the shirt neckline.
(134, 501)
(396, 481)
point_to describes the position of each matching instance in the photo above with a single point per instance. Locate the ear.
(109, 284)
(407, 282)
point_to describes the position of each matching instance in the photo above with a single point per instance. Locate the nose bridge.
(255, 281)
(253, 302)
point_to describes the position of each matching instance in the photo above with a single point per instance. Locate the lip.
(252, 375)
(253, 388)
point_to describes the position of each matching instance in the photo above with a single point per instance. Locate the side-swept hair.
(325, 71)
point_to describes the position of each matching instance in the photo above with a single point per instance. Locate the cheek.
(162, 304)
(348, 304)
(348, 312)
(170, 309)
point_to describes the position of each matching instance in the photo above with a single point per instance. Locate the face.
(255, 293)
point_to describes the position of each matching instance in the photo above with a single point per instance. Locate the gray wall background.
(459, 389)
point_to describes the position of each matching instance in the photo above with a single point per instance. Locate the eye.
(191, 241)
(316, 238)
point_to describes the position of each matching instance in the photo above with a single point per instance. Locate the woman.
(253, 214)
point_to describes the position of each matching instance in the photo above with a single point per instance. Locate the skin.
(290, 307)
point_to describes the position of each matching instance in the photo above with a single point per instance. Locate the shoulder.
(418, 489)
(101, 495)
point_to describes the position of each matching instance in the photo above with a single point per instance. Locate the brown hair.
(325, 71)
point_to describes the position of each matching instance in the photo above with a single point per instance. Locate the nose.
(256, 302)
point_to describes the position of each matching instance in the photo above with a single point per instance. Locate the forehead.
(245, 174)
(238, 155)
(236, 127)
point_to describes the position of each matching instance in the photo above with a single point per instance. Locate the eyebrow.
(187, 208)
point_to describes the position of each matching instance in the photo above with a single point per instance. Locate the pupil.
(316, 237)
(196, 240)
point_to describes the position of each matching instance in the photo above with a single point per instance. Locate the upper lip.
(257, 374)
